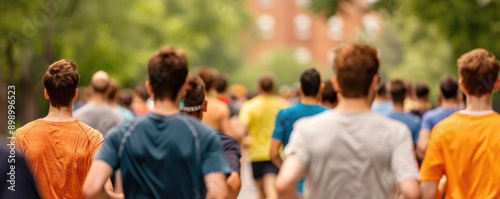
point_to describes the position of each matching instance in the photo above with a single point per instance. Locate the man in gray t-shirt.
(97, 113)
(351, 152)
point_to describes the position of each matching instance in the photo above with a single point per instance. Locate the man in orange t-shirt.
(465, 147)
(58, 148)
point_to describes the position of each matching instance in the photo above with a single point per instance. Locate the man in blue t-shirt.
(310, 97)
(398, 91)
(449, 105)
(164, 154)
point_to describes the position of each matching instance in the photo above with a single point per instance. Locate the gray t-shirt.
(353, 155)
(99, 116)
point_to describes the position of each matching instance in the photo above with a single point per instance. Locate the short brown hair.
(398, 90)
(267, 83)
(167, 71)
(355, 67)
(113, 90)
(478, 70)
(61, 81)
(208, 77)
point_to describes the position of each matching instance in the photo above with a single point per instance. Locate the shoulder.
(22, 131)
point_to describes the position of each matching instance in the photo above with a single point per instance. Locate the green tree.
(115, 36)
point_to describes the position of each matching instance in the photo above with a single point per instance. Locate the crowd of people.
(182, 134)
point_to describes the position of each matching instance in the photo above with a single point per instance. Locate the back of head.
(267, 83)
(142, 92)
(100, 82)
(355, 66)
(449, 87)
(195, 94)
(221, 84)
(310, 81)
(208, 77)
(125, 97)
(398, 90)
(329, 95)
(113, 91)
(167, 71)
(381, 89)
(61, 81)
(478, 70)
(421, 90)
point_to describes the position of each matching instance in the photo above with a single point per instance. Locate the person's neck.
(482, 103)
(266, 94)
(98, 99)
(309, 100)
(398, 108)
(166, 107)
(380, 99)
(421, 104)
(113, 104)
(353, 105)
(63, 114)
(449, 103)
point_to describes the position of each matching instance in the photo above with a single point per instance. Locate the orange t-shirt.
(465, 148)
(59, 155)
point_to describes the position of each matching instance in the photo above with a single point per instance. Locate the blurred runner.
(59, 148)
(465, 146)
(112, 96)
(164, 153)
(258, 115)
(97, 113)
(329, 96)
(449, 105)
(382, 104)
(217, 114)
(398, 93)
(195, 105)
(351, 152)
(422, 100)
(310, 89)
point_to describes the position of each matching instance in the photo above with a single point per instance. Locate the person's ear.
(300, 89)
(320, 89)
(375, 81)
(76, 94)
(205, 105)
(462, 87)
(149, 88)
(335, 84)
(46, 94)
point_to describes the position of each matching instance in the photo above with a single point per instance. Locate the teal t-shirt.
(164, 156)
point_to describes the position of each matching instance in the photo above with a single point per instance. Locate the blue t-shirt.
(164, 156)
(411, 120)
(382, 107)
(434, 116)
(287, 117)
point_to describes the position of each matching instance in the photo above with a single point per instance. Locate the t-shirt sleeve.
(404, 163)
(279, 127)
(109, 150)
(297, 144)
(433, 166)
(96, 141)
(244, 115)
(233, 154)
(213, 159)
(426, 122)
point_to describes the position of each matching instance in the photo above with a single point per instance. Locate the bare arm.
(96, 181)
(275, 154)
(423, 139)
(429, 189)
(216, 185)
(234, 184)
(409, 189)
(290, 173)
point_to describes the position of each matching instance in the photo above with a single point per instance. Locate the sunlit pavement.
(248, 188)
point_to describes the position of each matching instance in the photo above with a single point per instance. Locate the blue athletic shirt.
(164, 156)
(434, 116)
(287, 117)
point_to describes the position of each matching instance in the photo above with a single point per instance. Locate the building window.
(266, 3)
(371, 25)
(303, 55)
(266, 24)
(303, 25)
(303, 3)
(335, 28)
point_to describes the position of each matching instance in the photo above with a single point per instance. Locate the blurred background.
(419, 40)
